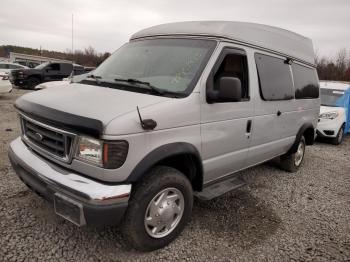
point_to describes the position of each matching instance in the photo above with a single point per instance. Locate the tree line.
(86, 57)
(328, 68)
(336, 68)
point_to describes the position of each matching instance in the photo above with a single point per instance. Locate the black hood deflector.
(66, 121)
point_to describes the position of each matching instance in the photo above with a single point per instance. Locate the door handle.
(248, 129)
(249, 126)
(279, 113)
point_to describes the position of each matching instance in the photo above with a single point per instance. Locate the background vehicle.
(7, 67)
(5, 85)
(334, 120)
(29, 78)
(63, 82)
(175, 113)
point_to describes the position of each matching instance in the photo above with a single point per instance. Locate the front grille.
(329, 132)
(47, 140)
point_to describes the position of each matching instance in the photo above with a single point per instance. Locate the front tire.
(159, 209)
(339, 138)
(292, 162)
(33, 82)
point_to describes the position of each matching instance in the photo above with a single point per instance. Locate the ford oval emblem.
(38, 136)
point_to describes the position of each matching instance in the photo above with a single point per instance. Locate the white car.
(51, 84)
(63, 82)
(5, 84)
(6, 67)
(332, 119)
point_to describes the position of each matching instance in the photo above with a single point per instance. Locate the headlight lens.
(90, 150)
(329, 115)
(106, 154)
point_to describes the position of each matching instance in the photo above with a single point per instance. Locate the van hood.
(83, 108)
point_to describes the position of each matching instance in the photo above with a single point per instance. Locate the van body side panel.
(276, 123)
(225, 142)
(270, 134)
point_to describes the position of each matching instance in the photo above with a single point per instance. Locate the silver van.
(173, 114)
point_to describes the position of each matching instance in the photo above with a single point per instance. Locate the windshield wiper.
(147, 84)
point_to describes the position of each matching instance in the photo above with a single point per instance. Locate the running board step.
(220, 188)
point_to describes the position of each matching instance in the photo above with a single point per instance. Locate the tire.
(339, 138)
(146, 206)
(292, 162)
(33, 82)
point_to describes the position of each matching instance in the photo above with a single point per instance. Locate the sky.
(107, 24)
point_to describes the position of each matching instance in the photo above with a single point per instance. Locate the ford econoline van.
(173, 114)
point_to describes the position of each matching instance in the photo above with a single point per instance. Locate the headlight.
(106, 154)
(5, 77)
(329, 115)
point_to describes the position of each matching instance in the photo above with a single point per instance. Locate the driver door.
(52, 72)
(226, 126)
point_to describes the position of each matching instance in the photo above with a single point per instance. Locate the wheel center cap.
(167, 212)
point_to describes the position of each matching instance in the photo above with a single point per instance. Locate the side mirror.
(230, 89)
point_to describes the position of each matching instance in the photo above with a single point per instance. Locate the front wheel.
(33, 82)
(292, 162)
(159, 209)
(339, 138)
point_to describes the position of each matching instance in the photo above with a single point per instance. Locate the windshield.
(331, 97)
(41, 66)
(170, 65)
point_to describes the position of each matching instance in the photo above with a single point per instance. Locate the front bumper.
(5, 87)
(328, 128)
(19, 82)
(92, 202)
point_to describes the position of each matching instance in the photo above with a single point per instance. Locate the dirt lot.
(277, 217)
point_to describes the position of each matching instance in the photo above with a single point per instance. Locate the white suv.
(5, 84)
(334, 111)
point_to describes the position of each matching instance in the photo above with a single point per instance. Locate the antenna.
(146, 124)
(138, 111)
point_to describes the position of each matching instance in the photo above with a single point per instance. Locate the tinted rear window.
(274, 77)
(305, 82)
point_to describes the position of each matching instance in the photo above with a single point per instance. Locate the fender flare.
(300, 133)
(163, 152)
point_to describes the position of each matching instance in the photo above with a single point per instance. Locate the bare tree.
(337, 68)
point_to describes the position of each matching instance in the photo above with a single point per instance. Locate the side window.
(234, 65)
(305, 82)
(14, 66)
(66, 69)
(4, 66)
(275, 78)
(55, 67)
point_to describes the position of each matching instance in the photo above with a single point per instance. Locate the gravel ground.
(277, 217)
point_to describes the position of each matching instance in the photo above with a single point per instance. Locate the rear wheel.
(292, 162)
(159, 209)
(339, 138)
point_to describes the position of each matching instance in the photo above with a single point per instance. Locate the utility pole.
(72, 42)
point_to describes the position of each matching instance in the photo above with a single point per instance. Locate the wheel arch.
(182, 156)
(308, 131)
